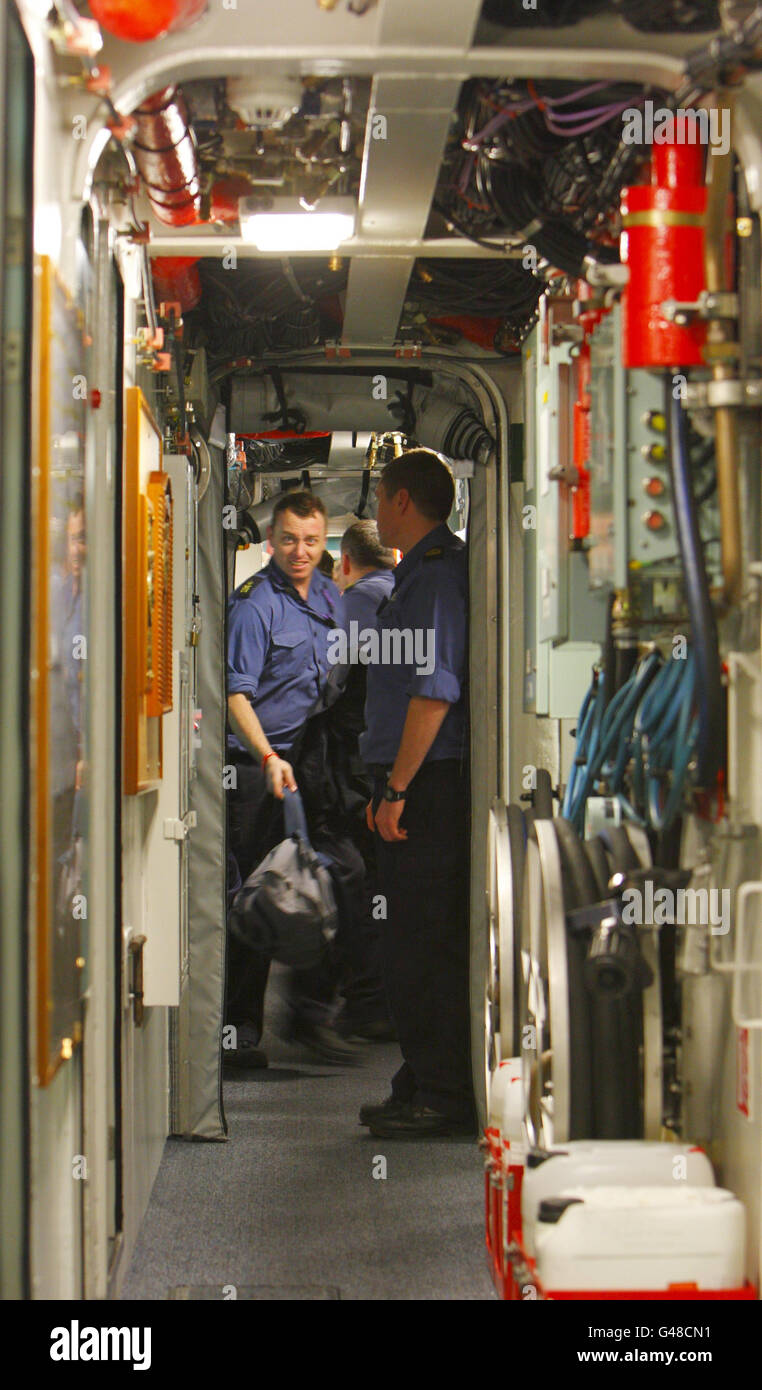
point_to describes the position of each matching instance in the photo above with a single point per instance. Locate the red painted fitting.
(176, 278)
(139, 21)
(167, 158)
(223, 205)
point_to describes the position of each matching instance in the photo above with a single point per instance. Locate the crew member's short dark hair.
(302, 504)
(360, 542)
(427, 479)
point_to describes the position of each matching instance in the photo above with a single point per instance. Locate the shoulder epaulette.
(249, 584)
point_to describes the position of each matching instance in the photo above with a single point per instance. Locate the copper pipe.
(721, 332)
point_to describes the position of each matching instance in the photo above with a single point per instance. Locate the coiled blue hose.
(640, 747)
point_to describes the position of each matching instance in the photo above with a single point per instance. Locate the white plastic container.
(506, 1105)
(584, 1163)
(641, 1238)
(512, 1129)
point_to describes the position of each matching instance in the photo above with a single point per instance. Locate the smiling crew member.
(278, 627)
(415, 744)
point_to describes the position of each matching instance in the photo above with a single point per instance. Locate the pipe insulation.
(451, 425)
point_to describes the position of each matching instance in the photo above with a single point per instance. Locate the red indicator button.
(654, 487)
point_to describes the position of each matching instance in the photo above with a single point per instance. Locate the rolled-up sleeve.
(437, 615)
(248, 645)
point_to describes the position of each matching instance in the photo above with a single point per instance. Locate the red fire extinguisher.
(663, 245)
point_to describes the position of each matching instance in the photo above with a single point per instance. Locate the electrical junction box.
(553, 454)
(570, 672)
(633, 542)
(564, 618)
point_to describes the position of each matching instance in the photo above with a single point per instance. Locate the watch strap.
(390, 794)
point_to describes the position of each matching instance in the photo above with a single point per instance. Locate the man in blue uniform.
(415, 744)
(278, 627)
(366, 579)
(366, 573)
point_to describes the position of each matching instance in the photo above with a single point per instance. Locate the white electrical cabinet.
(167, 819)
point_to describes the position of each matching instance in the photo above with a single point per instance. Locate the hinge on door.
(111, 1142)
(136, 984)
(13, 356)
(180, 829)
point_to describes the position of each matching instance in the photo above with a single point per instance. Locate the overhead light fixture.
(286, 225)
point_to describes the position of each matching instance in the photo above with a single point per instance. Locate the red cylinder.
(139, 21)
(663, 245)
(177, 278)
(167, 158)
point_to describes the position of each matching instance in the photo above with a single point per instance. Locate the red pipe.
(167, 158)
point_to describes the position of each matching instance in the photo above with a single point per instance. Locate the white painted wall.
(57, 1208)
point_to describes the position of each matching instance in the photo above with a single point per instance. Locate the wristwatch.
(389, 794)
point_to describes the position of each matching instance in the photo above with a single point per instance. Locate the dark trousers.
(425, 939)
(254, 827)
(359, 939)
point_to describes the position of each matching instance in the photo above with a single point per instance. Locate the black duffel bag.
(286, 908)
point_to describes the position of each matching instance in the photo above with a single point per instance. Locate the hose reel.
(591, 1020)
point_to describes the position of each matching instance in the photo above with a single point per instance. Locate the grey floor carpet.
(289, 1207)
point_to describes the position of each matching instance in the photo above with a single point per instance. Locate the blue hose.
(710, 733)
(640, 746)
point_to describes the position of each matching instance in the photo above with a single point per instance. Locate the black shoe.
(390, 1106)
(380, 1030)
(245, 1057)
(326, 1043)
(418, 1122)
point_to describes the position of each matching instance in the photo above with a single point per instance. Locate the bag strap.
(294, 818)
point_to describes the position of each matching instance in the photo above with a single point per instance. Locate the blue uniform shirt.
(430, 602)
(361, 600)
(277, 649)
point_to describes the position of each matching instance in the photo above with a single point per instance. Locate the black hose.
(467, 438)
(669, 16)
(516, 837)
(711, 710)
(599, 863)
(625, 663)
(579, 890)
